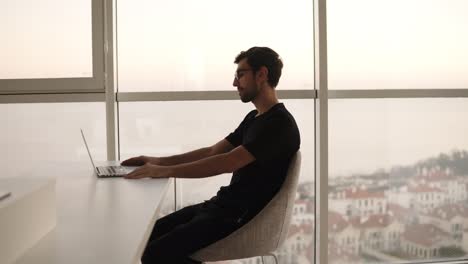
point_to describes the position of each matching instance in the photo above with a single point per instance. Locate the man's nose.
(235, 82)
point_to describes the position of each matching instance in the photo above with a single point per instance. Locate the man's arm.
(205, 167)
(222, 146)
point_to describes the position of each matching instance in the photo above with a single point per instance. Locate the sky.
(45, 39)
(190, 45)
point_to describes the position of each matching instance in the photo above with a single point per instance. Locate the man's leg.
(167, 223)
(176, 245)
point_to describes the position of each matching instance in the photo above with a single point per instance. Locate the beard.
(248, 95)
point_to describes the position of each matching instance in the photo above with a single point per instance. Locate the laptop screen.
(89, 153)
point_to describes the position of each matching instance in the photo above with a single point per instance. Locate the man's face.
(245, 82)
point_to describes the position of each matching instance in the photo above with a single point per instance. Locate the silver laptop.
(107, 171)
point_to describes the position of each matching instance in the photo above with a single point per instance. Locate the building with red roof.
(423, 241)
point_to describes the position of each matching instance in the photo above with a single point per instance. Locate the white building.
(360, 202)
(303, 212)
(423, 241)
(451, 185)
(380, 233)
(424, 198)
(399, 196)
(451, 218)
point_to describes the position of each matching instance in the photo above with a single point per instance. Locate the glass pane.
(36, 135)
(165, 128)
(191, 45)
(397, 44)
(45, 39)
(397, 186)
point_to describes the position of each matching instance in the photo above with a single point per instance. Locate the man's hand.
(136, 161)
(148, 170)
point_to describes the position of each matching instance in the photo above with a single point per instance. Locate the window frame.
(94, 84)
(99, 88)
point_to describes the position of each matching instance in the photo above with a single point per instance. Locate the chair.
(264, 233)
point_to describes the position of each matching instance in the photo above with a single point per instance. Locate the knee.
(154, 256)
(146, 260)
(149, 258)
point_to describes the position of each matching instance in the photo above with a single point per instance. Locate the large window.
(398, 174)
(161, 128)
(36, 136)
(397, 186)
(398, 44)
(51, 46)
(191, 45)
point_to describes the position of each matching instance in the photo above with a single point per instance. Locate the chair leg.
(272, 255)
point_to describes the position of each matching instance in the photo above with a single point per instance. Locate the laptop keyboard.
(112, 170)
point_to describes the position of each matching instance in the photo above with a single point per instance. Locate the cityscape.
(416, 212)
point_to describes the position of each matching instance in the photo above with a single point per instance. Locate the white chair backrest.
(266, 231)
(290, 188)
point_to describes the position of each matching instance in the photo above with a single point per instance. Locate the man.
(258, 153)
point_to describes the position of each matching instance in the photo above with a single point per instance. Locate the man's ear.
(262, 74)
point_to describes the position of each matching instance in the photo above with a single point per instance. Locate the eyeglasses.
(239, 73)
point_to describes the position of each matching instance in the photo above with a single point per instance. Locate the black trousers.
(178, 235)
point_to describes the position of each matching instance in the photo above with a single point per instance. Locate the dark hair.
(263, 56)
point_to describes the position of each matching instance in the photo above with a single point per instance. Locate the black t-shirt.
(272, 138)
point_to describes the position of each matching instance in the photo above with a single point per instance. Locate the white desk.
(98, 220)
(26, 216)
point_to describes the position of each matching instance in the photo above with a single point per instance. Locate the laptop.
(107, 171)
(4, 194)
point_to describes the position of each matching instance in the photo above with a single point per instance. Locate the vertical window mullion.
(321, 132)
